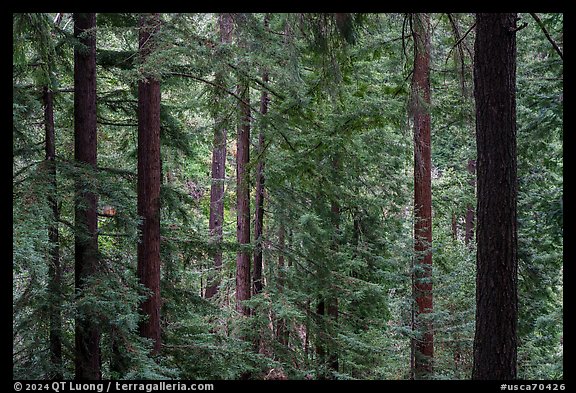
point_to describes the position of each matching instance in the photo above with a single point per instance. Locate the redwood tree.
(149, 169)
(422, 286)
(216, 220)
(87, 334)
(495, 341)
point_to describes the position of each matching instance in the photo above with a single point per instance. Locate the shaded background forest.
(336, 89)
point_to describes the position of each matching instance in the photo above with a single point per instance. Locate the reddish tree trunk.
(422, 289)
(454, 227)
(54, 270)
(87, 334)
(218, 173)
(495, 341)
(243, 203)
(149, 172)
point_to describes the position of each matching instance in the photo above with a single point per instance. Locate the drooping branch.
(543, 28)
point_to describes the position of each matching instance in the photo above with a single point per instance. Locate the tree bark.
(259, 202)
(495, 341)
(87, 334)
(54, 270)
(243, 203)
(218, 172)
(422, 287)
(149, 175)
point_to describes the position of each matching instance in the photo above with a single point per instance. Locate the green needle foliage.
(338, 210)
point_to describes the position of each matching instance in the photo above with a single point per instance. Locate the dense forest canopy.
(287, 196)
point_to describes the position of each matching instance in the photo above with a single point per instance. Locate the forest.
(287, 196)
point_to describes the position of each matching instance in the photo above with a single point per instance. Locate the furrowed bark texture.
(87, 335)
(495, 342)
(149, 172)
(422, 284)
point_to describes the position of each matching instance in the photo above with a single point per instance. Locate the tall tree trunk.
(259, 202)
(216, 222)
(54, 270)
(422, 288)
(87, 334)
(243, 203)
(149, 175)
(495, 341)
(469, 235)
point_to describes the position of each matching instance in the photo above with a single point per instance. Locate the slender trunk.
(54, 270)
(454, 227)
(281, 331)
(87, 334)
(332, 300)
(470, 210)
(495, 341)
(243, 203)
(218, 173)
(321, 339)
(422, 289)
(149, 175)
(259, 214)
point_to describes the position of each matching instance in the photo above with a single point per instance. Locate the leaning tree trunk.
(216, 221)
(87, 334)
(423, 350)
(495, 341)
(149, 172)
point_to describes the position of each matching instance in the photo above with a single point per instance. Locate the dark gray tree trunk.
(87, 334)
(149, 175)
(54, 270)
(495, 341)
(422, 287)
(259, 214)
(243, 287)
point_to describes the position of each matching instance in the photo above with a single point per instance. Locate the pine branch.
(543, 28)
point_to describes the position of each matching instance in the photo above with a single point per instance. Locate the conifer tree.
(216, 222)
(495, 340)
(422, 287)
(149, 172)
(87, 350)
